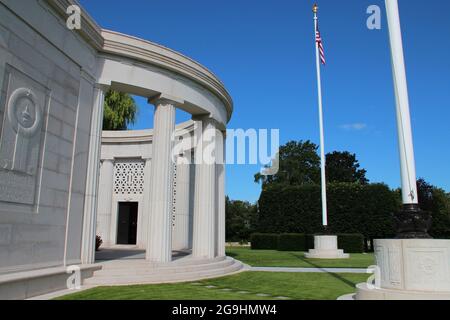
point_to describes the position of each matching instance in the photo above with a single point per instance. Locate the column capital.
(209, 119)
(165, 99)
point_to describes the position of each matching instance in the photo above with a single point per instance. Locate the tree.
(241, 217)
(299, 164)
(343, 167)
(437, 202)
(120, 111)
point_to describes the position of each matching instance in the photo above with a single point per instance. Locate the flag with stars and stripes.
(320, 45)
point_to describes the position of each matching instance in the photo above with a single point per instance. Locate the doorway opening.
(127, 223)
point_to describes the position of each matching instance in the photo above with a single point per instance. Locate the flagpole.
(322, 139)
(411, 222)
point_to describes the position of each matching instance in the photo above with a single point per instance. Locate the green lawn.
(273, 258)
(246, 285)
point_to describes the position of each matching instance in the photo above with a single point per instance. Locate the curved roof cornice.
(149, 52)
(121, 45)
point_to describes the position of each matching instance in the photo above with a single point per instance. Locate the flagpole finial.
(315, 8)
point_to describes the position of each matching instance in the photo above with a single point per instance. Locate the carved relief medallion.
(21, 137)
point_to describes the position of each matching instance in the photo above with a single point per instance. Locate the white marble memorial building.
(61, 182)
(126, 158)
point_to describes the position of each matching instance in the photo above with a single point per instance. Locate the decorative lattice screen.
(129, 177)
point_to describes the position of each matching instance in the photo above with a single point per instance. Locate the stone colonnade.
(208, 229)
(209, 200)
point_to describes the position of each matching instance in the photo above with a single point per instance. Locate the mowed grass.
(242, 286)
(273, 258)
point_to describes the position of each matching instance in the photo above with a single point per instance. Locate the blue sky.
(263, 50)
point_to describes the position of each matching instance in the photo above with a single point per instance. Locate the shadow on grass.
(301, 256)
(232, 254)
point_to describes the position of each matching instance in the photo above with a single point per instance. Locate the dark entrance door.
(127, 223)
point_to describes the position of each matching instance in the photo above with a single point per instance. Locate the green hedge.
(351, 243)
(352, 208)
(309, 241)
(292, 242)
(264, 241)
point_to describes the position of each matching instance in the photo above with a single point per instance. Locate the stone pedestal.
(410, 269)
(326, 247)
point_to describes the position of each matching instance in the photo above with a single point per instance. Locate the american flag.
(320, 45)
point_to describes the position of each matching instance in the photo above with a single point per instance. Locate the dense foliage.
(292, 242)
(119, 111)
(264, 241)
(290, 202)
(437, 202)
(350, 243)
(352, 208)
(241, 220)
(299, 164)
(343, 167)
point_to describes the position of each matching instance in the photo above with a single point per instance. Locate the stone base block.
(27, 284)
(326, 254)
(325, 247)
(365, 293)
(409, 269)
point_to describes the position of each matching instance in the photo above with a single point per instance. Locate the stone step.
(167, 278)
(128, 278)
(146, 269)
(141, 263)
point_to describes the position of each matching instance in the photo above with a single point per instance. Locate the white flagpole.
(405, 140)
(322, 139)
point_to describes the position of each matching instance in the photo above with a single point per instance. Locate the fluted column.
(205, 191)
(220, 174)
(105, 200)
(181, 229)
(92, 181)
(159, 238)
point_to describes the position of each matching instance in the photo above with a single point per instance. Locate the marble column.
(220, 189)
(204, 244)
(159, 239)
(105, 200)
(92, 181)
(181, 228)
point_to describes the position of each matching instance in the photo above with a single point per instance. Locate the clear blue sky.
(263, 50)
